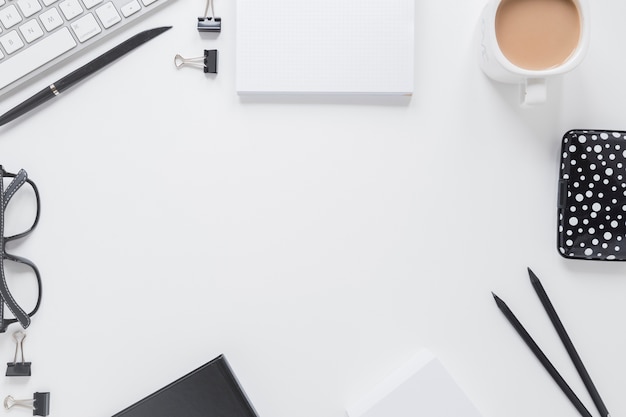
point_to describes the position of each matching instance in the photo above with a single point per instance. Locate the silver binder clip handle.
(10, 402)
(209, 3)
(40, 403)
(19, 337)
(180, 61)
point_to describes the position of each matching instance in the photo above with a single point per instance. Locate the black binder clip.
(208, 62)
(16, 368)
(209, 24)
(40, 404)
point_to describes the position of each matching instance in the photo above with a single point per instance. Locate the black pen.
(81, 73)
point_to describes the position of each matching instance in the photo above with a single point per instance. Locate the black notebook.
(212, 390)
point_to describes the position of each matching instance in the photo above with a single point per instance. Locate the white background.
(317, 242)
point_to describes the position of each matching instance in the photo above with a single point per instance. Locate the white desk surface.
(318, 243)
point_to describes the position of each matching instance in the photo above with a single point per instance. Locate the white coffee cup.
(495, 63)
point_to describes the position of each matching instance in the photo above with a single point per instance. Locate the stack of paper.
(325, 46)
(422, 387)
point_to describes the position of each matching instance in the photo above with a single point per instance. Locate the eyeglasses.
(19, 215)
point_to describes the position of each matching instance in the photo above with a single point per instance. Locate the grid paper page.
(325, 46)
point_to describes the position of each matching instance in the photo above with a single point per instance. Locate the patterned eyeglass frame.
(18, 180)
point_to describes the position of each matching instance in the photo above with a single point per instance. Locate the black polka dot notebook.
(592, 195)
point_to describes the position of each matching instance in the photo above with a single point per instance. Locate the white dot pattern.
(592, 195)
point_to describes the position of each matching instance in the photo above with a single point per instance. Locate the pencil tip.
(533, 277)
(501, 304)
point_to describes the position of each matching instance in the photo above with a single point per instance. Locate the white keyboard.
(38, 34)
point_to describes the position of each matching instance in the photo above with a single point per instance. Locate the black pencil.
(569, 346)
(542, 357)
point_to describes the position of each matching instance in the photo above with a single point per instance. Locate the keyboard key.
(35, 56)
(91, 3)
(51, 19)
(130, 8)
(31, 30)
(49, 2)
(86, 27)
(9, 16)
(108, 15)
(147, 2)
(70, 8)
(29, 7)
(11, 42)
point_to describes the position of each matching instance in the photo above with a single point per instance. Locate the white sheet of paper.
(325, 46)
(421, 387)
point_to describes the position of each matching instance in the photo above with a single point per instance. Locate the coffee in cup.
(537, 34)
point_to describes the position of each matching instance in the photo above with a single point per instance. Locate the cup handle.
(533, 91)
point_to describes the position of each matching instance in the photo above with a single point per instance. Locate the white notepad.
(422, 387)
(325, 46)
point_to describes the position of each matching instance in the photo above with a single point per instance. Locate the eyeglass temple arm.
(18, 181)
